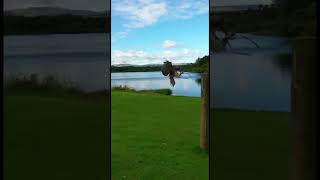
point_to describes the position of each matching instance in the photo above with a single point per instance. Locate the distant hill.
(51, 11)
(201, 65)
(55, 20)
(123, 65)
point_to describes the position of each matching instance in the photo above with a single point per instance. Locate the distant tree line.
(201, 65)
(290, 6)
(14, 25)
(288, 18)
(135, 68)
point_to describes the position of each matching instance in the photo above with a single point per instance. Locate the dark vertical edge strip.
(209, 84)
(2, 98)
(317, 139)
(110, 98)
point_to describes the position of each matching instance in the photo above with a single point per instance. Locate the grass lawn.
(156, 137)
(249, 145)
(153, 137)
(55, 138)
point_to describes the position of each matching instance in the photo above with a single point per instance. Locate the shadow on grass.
(200, 152)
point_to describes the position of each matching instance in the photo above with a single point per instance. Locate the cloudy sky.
(151, 31)
(94, 5)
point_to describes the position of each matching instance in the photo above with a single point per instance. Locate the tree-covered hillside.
(14, 25)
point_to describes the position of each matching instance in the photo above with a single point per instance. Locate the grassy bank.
(156, 91)
(249, 145)
(156, 137)
(163, 140)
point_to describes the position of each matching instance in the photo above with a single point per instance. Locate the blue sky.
(151, 31)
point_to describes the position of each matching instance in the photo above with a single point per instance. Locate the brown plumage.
(220, 44)
(168, 69)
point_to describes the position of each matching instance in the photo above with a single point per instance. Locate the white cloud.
(169, 44)
(140, 57)
(187, 9)
(142, 13)
(128, 54)
(139, 13)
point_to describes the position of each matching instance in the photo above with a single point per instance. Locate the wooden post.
(303, 107)
(204, 123)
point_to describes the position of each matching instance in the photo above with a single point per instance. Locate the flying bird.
(173, 71)
(220, 44)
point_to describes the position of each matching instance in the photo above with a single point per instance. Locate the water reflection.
(284, 63)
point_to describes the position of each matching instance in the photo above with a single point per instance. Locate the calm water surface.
(258, 81)
(187, 85)
(80, 58)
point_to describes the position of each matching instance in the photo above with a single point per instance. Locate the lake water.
(260, 81)
(187, 85)
(80, 58)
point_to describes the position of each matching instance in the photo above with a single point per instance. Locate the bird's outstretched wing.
(177, 74)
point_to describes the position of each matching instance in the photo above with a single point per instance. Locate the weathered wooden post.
(303, 107)
(204, 123)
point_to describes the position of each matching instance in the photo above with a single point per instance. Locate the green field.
(55, 138)
(153, 137)
(156, 137)
(249, 145)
